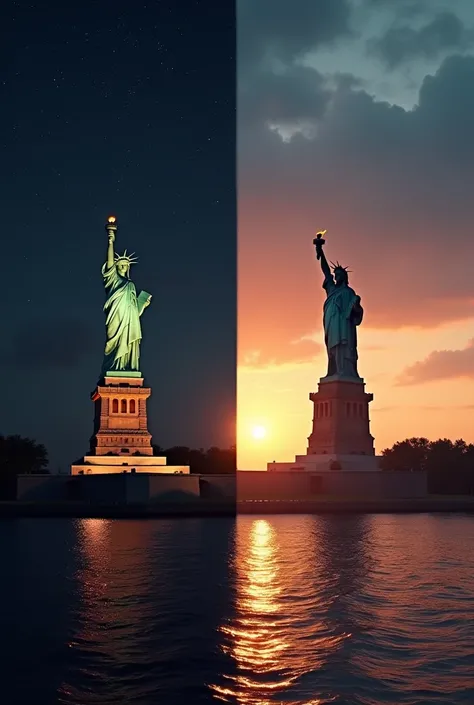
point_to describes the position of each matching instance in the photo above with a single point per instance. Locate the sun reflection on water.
(276, 636)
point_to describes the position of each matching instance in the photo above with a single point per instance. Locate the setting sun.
(259, 432)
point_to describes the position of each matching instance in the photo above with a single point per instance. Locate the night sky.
(117, 108)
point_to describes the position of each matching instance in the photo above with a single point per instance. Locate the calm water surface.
(301, 610)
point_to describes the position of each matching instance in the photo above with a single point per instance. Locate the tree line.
(212, 461)
(19, 456)
(449, 465)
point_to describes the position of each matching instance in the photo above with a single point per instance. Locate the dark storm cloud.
(446, 108)
(299, 94)
(400, 44)
(415, 155)
(441, 365)
(50, 344)
(287, 29)
(402, 7)
(393, 184)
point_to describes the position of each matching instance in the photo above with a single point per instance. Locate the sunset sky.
(356, 116)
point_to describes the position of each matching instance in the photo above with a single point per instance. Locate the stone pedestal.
(120, 421)
(340, 439)
(121, 442)
(341, 419)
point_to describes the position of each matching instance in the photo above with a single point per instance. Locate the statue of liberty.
(122, 310)
(342, 314)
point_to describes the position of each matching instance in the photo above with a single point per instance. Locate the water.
(301, 610)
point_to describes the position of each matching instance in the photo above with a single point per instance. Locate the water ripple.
(364, 611)
(301, 610)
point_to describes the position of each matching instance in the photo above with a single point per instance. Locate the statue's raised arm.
(318, 242)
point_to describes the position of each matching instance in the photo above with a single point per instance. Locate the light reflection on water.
(272, 632)
(113, 614)
(145, 622)
(358, 610)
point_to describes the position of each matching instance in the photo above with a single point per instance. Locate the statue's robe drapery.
(341, 317)
(122, 323)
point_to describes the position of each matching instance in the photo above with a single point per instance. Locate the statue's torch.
(319, 242)
(111, 226)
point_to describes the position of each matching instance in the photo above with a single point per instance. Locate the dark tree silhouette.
(202, 462)
(220, 460)
(449, 466)
(19, 456)
(410, 454)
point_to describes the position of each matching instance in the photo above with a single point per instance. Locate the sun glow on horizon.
(277, 397)
(259, 432)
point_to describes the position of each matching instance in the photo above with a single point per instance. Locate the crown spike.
(130, 259)
(338, 265)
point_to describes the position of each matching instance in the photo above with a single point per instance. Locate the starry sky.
(117, 108)
(356, 116)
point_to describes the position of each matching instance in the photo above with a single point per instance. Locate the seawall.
(229, 508)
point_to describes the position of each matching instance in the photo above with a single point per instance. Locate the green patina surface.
(123, 309)
(341, 316)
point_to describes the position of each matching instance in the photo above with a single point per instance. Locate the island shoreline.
(229, 508)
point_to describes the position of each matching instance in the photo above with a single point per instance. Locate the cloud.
(441, 365)
(400, 44)
(297, 95)
(393, 187)
(403, 8)
(284, 30)
(275, 352)
(50, 344)
(415, 5)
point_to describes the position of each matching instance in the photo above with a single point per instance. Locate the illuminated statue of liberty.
(342, 314)
(123, 309)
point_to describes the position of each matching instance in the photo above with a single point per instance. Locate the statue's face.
(339, 276)
(122, 267)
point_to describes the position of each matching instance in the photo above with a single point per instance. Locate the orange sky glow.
(281, 301)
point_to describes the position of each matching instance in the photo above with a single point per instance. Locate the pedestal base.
(340, 439)
(124, 374)
(328, 463)
(113, 464)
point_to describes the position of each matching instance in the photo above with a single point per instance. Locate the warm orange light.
(272, 643)
(259, 432)
(111, 219)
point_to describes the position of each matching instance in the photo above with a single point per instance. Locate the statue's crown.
(337, 265)
(130, 259)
